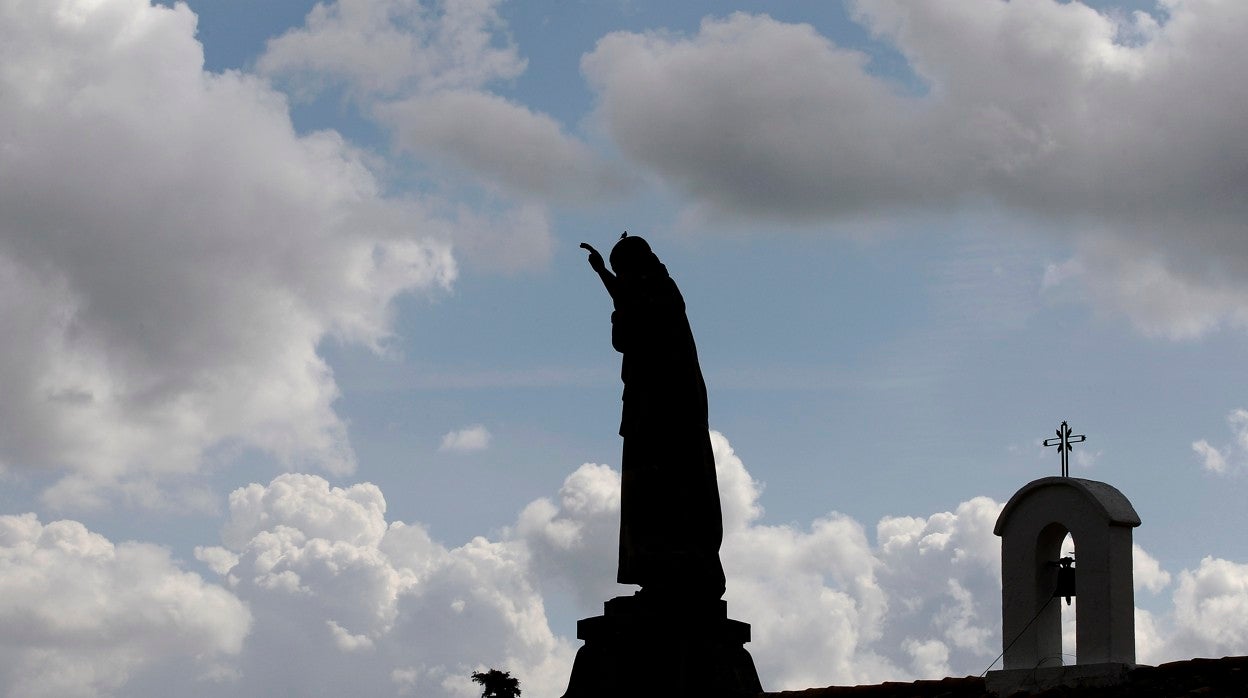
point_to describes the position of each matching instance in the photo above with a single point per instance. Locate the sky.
(308, 389)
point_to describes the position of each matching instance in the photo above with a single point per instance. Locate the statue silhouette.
(674, 637)
(671, 525)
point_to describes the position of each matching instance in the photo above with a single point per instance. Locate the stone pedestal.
(649, 647)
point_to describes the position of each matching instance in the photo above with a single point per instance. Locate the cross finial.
(1063, 443)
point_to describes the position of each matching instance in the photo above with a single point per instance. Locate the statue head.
(632, 257)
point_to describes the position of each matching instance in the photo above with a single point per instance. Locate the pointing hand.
(595, 259)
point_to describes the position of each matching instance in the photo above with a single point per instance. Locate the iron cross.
(1063, 442)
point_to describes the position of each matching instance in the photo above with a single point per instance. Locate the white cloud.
(171, 255)
(466, 440)
(828, 605)
(943, 574)
(756, 115)
(1149, 640)
(1210, 457)
(1086, 459)
(373, 607)
(739, 491)
(1148, 573)
(931, 658)
(825, 604)
(380, 608)
(82, 614)
(1210, 616)
(1098, 125)
(1159, 298)
(1238, 420)
(422, 70)
(574, 543)
(392, 46)
(1231, 457)
(218, 559)
(1042, 104)
(306, 503)
(348, 642)
(500, 141)
(517, 239)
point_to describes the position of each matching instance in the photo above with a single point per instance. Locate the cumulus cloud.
(423, 69)
(501, 141)
(826, 604)
(306, 503)
(82, 614)
(377, 607)
(573, 541)
(959, 548)
(391, 46)
(830, 603)
(366, 598)
(1210, 615)
(1116, 128)
(468, 439)
(1230, 457)
(172, 253)
(1148, 573)
(373, 607)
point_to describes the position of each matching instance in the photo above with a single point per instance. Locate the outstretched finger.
(587, 246)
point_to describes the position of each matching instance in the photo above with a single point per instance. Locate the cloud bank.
(366, 606)
(320, 593)
(172, 253)
(1119, 131)
(82, 614)
(424, 70)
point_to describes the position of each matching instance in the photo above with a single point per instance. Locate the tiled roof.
(969, 687)
(1210, 678)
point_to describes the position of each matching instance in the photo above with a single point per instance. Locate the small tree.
(497, 684)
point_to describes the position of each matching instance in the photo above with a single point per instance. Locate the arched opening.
(1056, 619)
(1050, 617)
(1070, 612)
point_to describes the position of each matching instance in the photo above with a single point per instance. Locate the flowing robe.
(671, 524)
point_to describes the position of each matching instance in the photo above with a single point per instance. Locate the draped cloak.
(671, 525)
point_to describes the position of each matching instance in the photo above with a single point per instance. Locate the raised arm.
(597, 264)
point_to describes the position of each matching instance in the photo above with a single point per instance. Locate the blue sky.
(265, 266)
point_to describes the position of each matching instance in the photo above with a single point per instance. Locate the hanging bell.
(1065, 579)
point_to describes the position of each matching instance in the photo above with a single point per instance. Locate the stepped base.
(643, 646)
